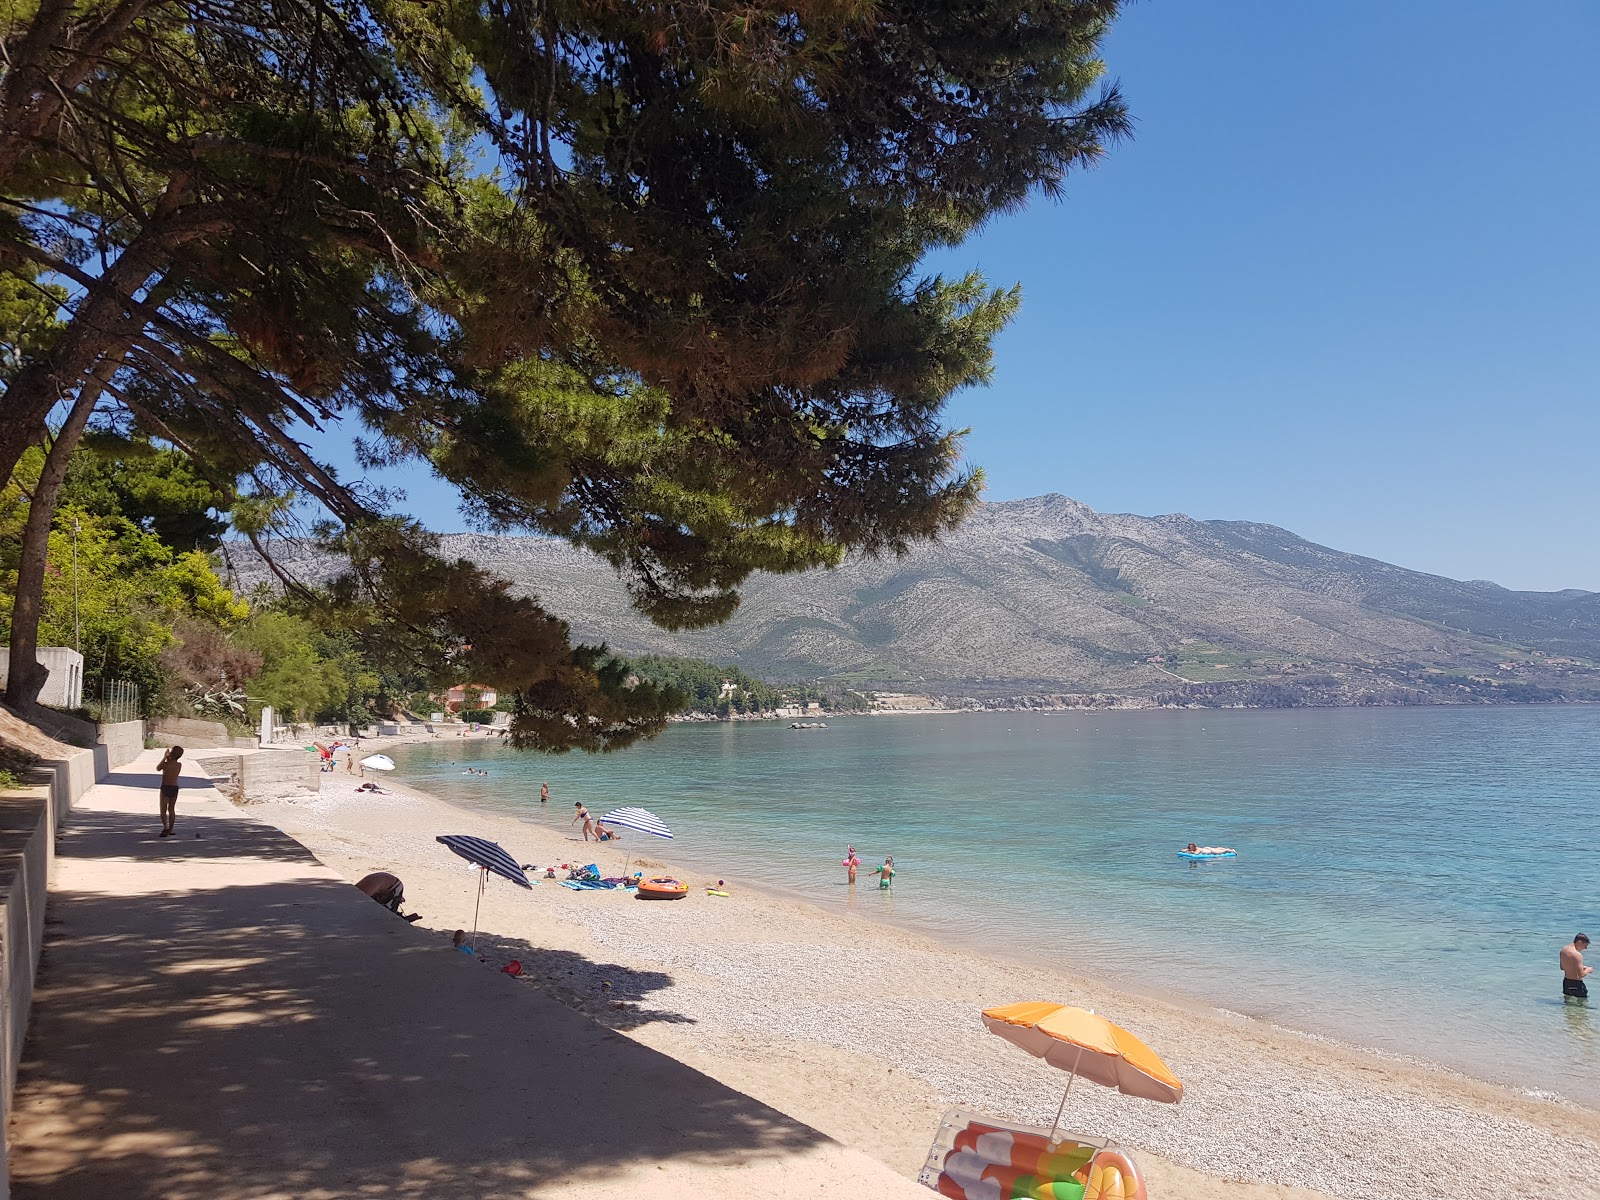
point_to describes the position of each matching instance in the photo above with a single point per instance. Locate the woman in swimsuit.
(583, 815)
(851, 862)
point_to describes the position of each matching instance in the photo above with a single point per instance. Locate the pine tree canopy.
(642, 276)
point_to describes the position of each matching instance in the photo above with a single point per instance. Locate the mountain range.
(1047, 597)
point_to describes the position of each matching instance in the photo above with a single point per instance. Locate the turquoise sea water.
(1405, 876)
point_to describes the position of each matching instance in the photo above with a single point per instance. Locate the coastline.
(869, 1031)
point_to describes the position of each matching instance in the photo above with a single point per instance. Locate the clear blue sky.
(1344, 279)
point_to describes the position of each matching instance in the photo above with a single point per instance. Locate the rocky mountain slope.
(1046, 595)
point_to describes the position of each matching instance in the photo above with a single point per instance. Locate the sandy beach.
(869, 1032)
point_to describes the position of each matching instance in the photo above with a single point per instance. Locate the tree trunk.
(99, 326)
(27, 675)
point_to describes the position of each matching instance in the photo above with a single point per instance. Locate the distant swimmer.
(1573, 972)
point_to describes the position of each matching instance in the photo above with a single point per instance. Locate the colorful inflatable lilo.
(976, 1158)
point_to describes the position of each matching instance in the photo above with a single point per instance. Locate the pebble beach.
(869, 1032)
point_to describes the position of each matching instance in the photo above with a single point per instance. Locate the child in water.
(885, 873)
(851, 862)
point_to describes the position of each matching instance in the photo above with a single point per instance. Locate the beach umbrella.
(1084, 1044)
(378, 762)
(486, 856)
(641, 819)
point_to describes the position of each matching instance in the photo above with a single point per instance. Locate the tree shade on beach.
(646, 279)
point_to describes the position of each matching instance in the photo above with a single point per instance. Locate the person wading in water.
(1573, 972)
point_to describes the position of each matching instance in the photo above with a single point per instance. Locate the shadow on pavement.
(291, 1038)
(99, 833)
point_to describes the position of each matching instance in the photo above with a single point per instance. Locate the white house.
(63, 687)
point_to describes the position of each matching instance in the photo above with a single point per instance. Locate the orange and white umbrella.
(1085, 1043)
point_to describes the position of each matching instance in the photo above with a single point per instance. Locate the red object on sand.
(512, 968)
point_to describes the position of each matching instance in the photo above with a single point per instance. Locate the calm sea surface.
(1404, 880)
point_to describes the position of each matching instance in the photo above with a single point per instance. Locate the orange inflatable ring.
(662, 889)
(1112, 1176)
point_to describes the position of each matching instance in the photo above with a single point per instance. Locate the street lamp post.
(77, 625)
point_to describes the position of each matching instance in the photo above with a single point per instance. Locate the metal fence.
(113, 700)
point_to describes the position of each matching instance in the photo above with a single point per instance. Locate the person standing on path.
(1573, 972)
(544, 793)
(583, 815)
(170, 767)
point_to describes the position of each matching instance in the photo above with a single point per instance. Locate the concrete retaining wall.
(123, 743)
(193, 734)
(26, 849)
(29, 819)
(256, 776)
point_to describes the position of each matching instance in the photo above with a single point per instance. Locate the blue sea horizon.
(1405, 877)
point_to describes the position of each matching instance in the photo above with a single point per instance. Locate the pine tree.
(642, 276)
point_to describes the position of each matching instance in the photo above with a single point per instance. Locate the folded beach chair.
(974, 1157)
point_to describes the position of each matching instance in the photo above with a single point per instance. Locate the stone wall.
(194, 734)
(256, 776)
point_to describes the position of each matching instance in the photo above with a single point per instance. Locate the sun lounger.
(975, 1157)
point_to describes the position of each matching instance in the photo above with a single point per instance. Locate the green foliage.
(14, 765)
(706, 686)
(155, 487)
(28, 316)
(482, 716)
(118, 584)
(296, 678)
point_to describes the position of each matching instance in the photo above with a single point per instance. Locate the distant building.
(728, 689)
(456, 698)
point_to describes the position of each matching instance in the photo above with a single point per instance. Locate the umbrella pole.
(1054, 1125)
(482, 875)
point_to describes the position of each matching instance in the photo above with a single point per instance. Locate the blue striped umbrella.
(488, 855)
(641, 819)
(481, 852)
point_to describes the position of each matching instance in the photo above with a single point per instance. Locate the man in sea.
(170, 767)
(1573, 972)
(544, 793)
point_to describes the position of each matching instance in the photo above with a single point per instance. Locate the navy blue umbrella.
(483, 853)
(488, 856)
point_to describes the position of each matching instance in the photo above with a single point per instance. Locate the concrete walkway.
(220, 1017)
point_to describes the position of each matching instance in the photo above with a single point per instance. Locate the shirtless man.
(170, 768)
(1573, 971)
